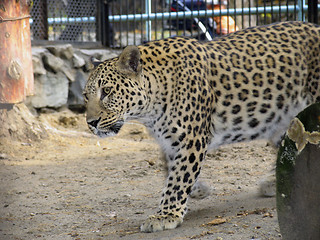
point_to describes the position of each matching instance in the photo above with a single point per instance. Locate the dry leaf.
(217, 221)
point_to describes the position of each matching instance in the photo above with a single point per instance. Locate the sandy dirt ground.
(67, 184)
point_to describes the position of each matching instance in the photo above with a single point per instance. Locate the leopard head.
(114, 93)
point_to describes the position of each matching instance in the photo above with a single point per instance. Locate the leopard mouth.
(115, 128)
(107, 131)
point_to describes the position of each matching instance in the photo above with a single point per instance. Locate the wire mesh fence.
(64, 20)
(118, 23)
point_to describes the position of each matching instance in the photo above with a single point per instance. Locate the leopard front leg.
(183, 171)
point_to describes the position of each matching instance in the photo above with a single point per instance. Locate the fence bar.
(148, 22)
(70, 20)
(180, 15)
(313, 11)
(301, 15)
(202, 13)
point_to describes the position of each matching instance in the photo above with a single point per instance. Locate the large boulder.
(78, 61)
(52, 62)
(38, 68)
(64, 51)
(60, 74)
(75, 99)
(37, 62)
(51, 90)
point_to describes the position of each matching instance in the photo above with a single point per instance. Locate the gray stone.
(38, 51)
(107, 54)
(88, 66)
(52, 62)
(75, 99)
(64, 51)
(51, 90)
(69, 72)
(100, 54)
(67, 53)
(96, 53)
(78, 61)
(38, 67)
(61, 72)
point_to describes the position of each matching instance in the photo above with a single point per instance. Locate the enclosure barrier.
(300, 9)
(123, 22)
(206, 13)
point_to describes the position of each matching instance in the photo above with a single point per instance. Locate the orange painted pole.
(16, 72)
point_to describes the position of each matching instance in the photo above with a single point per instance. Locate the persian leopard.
(194, 96)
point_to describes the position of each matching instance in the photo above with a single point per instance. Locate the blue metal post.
(148, 22)
(301, 15)
(202, 13)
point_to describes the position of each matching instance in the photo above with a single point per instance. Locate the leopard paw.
(160, 222)
(200, 190)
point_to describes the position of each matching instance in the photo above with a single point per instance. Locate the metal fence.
(64, 20)
(118, 23)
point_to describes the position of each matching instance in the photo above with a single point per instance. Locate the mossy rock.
(298, 177)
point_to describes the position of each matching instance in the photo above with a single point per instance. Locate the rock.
(3, 156)
(38, 51)
(60, 67)
(100, 54)
(67, 53)
(78, 61)
(69, 72)
(51, 90)
(19, 124)
(75, 99)
(37, 54)
(107, 54)
(88, 66)
(96, 53)
(38, 67)
(64, 51)
(52, 62)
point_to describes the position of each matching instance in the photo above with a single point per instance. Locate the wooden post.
(16, 81)
(298, 177)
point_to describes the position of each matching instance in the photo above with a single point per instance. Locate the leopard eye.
(105, 92)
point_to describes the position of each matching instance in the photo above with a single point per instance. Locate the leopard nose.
(94, 123)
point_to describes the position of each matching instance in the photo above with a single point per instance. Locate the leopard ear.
(129, 60)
